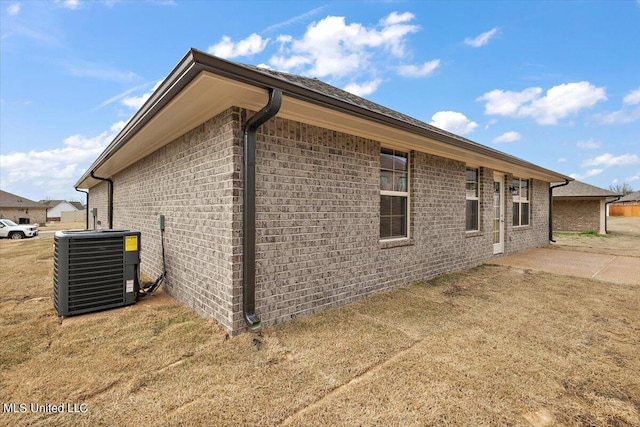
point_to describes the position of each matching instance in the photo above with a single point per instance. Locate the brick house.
(580, 207)
(21, 210)
(317, 200)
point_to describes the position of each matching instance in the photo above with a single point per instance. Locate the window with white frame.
(521, 191)
(473, 200)
(394, 194)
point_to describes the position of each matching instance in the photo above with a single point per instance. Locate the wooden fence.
(624, 210)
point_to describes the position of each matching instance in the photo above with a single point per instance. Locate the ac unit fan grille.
(96, 273)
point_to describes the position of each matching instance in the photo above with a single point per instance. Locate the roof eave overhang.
(582, 197)
(608, 196)
(198, 76)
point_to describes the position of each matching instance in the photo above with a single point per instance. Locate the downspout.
(566, 181)
(86, 209)
(606, 228)
(110, 202)
(249, 210)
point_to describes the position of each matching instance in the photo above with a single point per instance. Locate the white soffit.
(205, 97)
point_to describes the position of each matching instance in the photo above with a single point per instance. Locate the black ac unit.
(95, 270)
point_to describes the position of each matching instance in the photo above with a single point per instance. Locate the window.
(520, 192)
(473, 201)
(394, 194)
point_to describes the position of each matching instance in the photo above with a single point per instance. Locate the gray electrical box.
(95, 270)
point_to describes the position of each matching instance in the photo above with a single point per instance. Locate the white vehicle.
(12, 230)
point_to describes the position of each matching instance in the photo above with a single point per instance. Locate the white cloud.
(69, 4)
(587, 174)
(453, 121)
(247, 47)
(397, 18)
(363, 89)
(137, 101)
(482, 39)
(415, 71)
(54, 171)
(331, 47)
(507, 103)
(562, 160)
(293, 20)
(100, 72)
(632, 97)
(589, 145)
(563, 100)
(635, 177)
(557, 103)
(592, 172)
(121, 95)
(13, 9)
(291, 62)
(511, 136)
(616, 117)
(343, 53)
(607, 160)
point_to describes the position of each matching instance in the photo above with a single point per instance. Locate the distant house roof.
(50, 203)
(580, 189)
(10, 200)
(53, 203)
(631, 197)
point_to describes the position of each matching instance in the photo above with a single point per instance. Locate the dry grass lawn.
(488, 346)
(57, 225)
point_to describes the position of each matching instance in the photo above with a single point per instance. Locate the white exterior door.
(498, 213)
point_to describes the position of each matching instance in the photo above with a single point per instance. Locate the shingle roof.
(631, 197)
(54, 203)
(342, 95)
(580, 189)
(50, 203)
(309, 91)
(9, 200)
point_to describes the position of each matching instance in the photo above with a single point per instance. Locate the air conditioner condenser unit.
(95, 270)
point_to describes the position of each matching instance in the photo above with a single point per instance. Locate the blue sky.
(555, 83)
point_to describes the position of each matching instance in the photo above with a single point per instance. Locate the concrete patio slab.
(608, 268)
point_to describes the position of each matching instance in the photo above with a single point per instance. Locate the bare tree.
(621, 188)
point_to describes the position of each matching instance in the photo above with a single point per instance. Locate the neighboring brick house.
(21, 210)
(580, 207)
(338, 197)
(628, 205)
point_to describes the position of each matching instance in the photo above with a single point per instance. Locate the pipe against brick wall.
(249, 206)
(566, 182)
